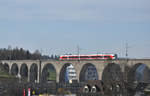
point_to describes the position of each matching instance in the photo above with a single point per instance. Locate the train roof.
(88, 54)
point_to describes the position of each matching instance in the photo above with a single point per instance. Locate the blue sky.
(58, 26)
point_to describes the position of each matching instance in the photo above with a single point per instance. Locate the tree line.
(22, 54)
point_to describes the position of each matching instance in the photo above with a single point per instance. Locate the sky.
(59, 26)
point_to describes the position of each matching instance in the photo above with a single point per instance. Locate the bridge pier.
(39, 72)
(28, 76)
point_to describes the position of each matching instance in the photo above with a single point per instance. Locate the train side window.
(64, 57)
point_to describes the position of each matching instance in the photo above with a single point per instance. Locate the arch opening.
(33, 73)
(6, 67)
(88, 72)
(24, 72)
(139, 73)
(14, 69)
(113, 80)
(67, 74)
(138, 77)
(48, 73)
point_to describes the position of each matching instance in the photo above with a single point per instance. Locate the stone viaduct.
(80, 66)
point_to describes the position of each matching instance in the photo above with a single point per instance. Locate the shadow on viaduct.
(33, 70)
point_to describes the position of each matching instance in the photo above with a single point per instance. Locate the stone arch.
(24, 72)
(34, 73)
(6, 67)
(48, 73)
(62, 75)
(112, 72)
(112, 77)
(139, 73)
(14, 69)
(88, 72)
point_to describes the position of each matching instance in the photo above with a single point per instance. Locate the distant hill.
(22, 54)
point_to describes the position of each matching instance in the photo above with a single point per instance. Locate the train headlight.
(86, 89)
(94, 89)
(117, 88)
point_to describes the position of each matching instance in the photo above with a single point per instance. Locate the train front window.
(107, 57)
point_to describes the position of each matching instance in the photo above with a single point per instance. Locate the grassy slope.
(4, 73)
(52, 75)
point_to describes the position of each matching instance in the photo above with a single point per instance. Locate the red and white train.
(88, 57)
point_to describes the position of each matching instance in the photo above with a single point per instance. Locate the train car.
(88, 57)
